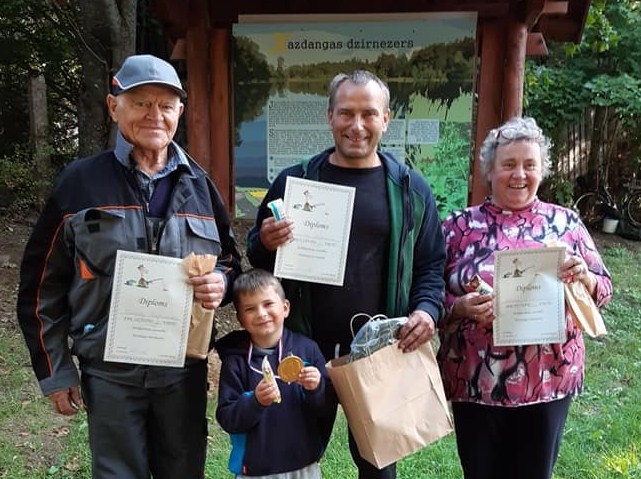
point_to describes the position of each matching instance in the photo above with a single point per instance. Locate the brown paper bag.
(202, 320)
(394, 401)
(585, 313)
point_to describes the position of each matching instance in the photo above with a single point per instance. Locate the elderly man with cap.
(146, 195)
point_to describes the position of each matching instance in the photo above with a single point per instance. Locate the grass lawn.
(602, 439)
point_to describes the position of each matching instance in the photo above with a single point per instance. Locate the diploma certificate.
(150, 310)
(322, 213)
(529, 302)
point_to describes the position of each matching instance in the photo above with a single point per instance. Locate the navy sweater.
(285, 436)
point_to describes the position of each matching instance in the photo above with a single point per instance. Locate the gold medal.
(289, 368)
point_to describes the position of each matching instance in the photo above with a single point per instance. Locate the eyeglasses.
(510, 133)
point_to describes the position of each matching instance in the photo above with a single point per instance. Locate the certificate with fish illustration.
(529, 304)
(322, 214)
(150, 311)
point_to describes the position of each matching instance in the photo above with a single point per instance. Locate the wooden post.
(489, 90)
(514, 72)
(197, 53)
(220, 112)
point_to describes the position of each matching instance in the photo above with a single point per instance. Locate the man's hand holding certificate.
(322, 213)
(150, 311)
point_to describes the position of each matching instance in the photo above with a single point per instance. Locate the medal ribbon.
(251, 350)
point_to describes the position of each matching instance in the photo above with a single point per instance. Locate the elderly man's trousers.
(135, 431)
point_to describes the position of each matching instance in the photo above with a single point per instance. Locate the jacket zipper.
(151, 236)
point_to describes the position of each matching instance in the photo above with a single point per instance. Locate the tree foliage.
(600, 76)
(76, 45)
(36, 39)
(449, 171)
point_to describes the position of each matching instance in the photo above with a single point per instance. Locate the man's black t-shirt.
(365, 285)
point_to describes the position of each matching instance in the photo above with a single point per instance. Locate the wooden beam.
(534, 9)
(197, 53)
(578, 11)
(224, 13)
(172, 15)
(220, 112)
(536, 45)
(179, 50)
(560, 29)
(488, 91)
(556, 8)
(484, 8)
(514, 69)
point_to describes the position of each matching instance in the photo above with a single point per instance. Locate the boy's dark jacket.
(285, 436)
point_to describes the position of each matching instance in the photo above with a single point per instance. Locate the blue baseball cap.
(138, 70)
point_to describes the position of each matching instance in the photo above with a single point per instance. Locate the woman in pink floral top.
(510, 403)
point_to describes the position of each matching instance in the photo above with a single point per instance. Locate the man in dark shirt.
(396, 246)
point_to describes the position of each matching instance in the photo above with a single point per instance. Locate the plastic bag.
(379, 331)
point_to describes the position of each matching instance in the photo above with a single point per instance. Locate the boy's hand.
(309, 378)
(266, 393)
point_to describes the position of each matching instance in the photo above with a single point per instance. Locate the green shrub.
(22, 188)
(557, 189)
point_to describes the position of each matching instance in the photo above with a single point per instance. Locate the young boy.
(275, 426)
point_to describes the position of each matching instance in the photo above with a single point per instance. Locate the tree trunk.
(122, 16)
(39, 132)
(595, 162)
(39, 124)
(108, 30)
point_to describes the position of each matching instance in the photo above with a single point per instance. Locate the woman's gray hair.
(357, 77)
(518, 128)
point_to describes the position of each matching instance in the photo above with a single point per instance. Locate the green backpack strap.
(304, 164)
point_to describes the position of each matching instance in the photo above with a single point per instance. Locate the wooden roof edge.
(581, 8)
(556, 20)
(564, 26)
